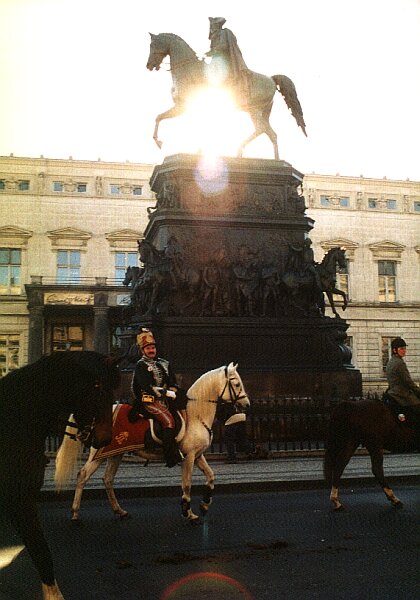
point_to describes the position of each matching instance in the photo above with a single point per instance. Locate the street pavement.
(297, 470)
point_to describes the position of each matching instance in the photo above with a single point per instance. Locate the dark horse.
(296, 282)
(32, 400)
(376, 427)
(189, 75)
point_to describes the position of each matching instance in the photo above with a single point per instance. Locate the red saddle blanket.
(126, 436)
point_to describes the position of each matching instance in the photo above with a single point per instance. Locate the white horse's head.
(220, 385)
(233, 390)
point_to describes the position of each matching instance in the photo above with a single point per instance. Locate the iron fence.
(277, 424)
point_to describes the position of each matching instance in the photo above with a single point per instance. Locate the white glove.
(170, 394)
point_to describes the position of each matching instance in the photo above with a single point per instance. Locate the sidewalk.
(295, 472)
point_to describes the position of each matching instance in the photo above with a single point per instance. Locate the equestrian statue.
(253, 92)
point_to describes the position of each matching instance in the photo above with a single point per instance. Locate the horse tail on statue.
(68, 456)
(287, 89)
(338, 436)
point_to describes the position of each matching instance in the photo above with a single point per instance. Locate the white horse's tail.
(68, 456)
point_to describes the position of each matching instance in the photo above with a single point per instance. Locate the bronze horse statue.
(375, 426)
(189, 75)
(296, 282)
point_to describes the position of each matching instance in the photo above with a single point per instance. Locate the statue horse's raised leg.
(175, 111)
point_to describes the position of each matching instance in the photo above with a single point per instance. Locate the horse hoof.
(338, 508)
(124, 515)
(398, 504)
(77, 521)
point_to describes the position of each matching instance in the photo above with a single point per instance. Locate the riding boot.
(171, 452)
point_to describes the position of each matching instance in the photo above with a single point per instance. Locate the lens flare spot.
(221, 587)
(211, 174)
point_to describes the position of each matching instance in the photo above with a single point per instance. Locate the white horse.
(219, 385)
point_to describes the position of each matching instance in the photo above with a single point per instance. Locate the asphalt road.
(252, 546)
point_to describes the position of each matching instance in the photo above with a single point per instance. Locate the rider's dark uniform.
(156, 394)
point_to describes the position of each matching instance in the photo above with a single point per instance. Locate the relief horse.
(376, 427)
(32, 399)
(211, 389)
(189, 75)
(296, 282)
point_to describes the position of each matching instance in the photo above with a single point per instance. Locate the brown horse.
(376, 427)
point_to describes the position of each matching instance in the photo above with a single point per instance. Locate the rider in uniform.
(303, 259)
(402, 389)
(223, 43)
(155, 389)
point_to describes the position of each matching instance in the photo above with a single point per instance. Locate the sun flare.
(211, 125)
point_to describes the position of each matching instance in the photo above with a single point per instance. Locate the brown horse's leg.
(339, 463)
(377, 461)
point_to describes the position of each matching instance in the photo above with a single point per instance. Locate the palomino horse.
(189, 75)
(372, 424)
(333, 260)
(219, 385)
(31, 400)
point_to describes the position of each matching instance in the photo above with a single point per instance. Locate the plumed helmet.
(144, 338)
(398, 343)
(217, 21)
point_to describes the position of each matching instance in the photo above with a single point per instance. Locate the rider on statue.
(155, 393)
(223, 44)
(302, 261)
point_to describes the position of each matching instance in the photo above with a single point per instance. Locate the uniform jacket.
(401, 386)
(144, 377)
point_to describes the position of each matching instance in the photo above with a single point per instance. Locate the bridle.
(83, 434)
(233, 395)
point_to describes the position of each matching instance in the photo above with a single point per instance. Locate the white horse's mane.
(200, 389)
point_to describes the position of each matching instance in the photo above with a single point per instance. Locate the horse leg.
(187, 469)
(205, 468)
(25, 520)
(112, 465)
(342, 294)
(83, 477)
(169, 114)
(338, 464)
(377, 462)
(331, 301)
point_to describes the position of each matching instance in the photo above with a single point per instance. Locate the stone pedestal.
(216, 250)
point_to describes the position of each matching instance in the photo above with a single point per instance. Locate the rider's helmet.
(398, 343)
(144, 338)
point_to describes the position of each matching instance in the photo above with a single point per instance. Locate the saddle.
(155, 432)
(402, 414)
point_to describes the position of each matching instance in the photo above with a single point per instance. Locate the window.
(68, 266)
(124, 260)
(345, 201)
(391, 204)
(2, 184)
(67, 337)
(81, 187)
(386, 350)
(10, 267)
(137, 191)
(342, 282)
(387, 272)
(325, 201)
(372, 203)
(58, 186)
(115, 189)
(9, 353)
(23, 186)
(416, 206)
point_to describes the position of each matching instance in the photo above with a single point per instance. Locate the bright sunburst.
(211, 125)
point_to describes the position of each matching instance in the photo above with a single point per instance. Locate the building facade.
(69, 230)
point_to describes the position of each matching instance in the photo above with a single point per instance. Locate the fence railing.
(278, 424)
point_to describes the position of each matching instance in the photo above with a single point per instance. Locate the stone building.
(69, 230)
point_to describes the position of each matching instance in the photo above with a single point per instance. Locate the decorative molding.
(124, 238)
(68, 237)
(386, 250)
(14, 236)
(348, 245)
